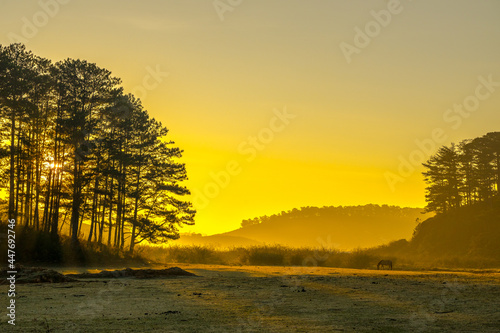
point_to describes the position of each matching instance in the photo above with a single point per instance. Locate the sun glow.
(55, 166)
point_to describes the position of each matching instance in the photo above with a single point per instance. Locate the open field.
(265, 299)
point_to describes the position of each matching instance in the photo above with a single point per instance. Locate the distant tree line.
(369, 210)
(463, 174)
(74, 149)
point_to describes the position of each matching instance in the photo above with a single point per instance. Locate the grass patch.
(277, 255)
(36, 247)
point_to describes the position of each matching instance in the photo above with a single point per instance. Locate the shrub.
(266, 255)
(360, 259)
(40, 247)
(195, 254)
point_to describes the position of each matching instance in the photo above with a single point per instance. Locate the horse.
(384, 263)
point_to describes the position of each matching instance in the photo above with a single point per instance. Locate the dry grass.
(276, 255)
(266, 299)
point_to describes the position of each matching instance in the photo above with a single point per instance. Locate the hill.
(342, 227)
(466, 237)
(472, 231)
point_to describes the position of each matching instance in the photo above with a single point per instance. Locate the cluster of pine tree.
(74, 149)
(464, 174)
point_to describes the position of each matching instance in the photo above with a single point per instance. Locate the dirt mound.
(37, 275)
(137, 273)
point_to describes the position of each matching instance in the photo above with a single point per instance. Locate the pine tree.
(443, 180)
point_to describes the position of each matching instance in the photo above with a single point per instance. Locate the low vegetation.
(399, 252)
(35, 248)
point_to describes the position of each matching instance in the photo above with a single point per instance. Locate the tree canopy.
(76, 151)
(463, 174)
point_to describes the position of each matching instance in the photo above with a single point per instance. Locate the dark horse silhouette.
(384, 263)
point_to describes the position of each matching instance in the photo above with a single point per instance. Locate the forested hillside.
(342, 227)
(463, 189)
(463, 184)
(471, 231)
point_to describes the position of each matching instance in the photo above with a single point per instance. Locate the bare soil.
(263, 299)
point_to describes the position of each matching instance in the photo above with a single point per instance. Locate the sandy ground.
(264, 299)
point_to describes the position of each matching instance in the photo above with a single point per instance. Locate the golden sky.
(287, 103)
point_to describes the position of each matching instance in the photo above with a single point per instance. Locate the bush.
(267, 255)
(195, 254)
(40, 247)
(296, 259)
(36, 245)
(360, 259)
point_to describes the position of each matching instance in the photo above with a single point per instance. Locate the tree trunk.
(136, 206)
(75, 207)
(94, 208)
(12, 213)
(110, 209)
